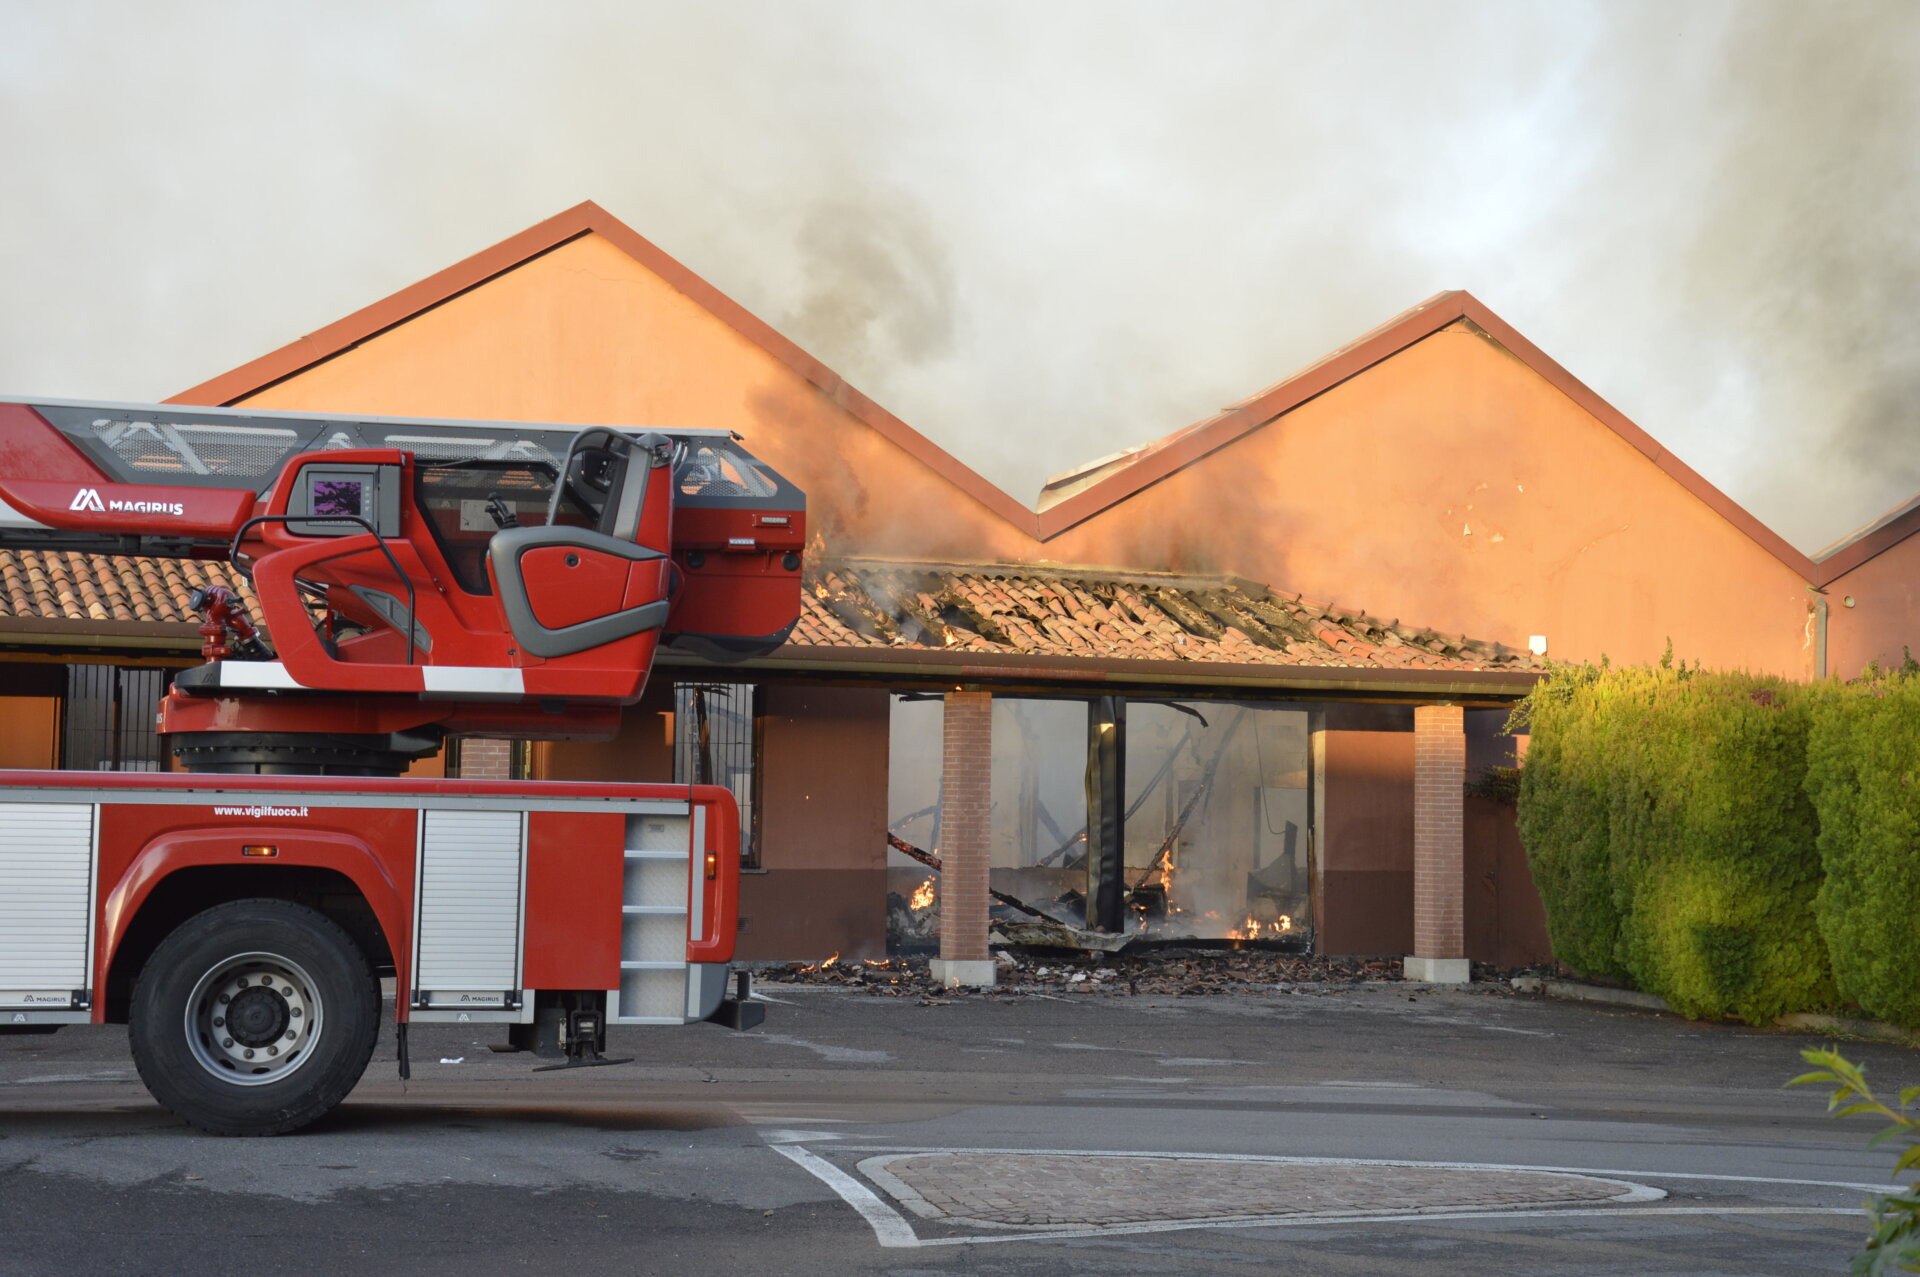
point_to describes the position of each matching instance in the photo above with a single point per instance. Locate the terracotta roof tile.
(1032, 611)
(868, 603)
(95, 587)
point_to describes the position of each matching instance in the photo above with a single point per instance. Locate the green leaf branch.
(1893, 1242)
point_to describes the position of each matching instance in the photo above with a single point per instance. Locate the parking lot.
(1373, 1128)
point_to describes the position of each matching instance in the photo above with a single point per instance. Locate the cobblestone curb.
(1060, 1190)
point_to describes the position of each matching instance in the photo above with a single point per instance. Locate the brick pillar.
(1439, 872)
(486, 758)
(966, 833)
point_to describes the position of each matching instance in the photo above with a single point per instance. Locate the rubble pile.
(1178, 971)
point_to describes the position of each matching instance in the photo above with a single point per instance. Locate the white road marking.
(1323, 1221)
(888, 1226)
(1384, 1161)
(892, 1229)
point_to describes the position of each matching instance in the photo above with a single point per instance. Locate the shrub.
(1666, 820)
(1713, 845)
(1863, 756)
(1562, 817)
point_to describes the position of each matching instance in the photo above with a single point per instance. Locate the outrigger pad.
(734, 1014)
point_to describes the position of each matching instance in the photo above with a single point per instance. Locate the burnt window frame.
(107, 716)
(752, 751)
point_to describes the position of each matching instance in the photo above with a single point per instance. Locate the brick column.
(486, 758)
(1439, 873)
(966, 832)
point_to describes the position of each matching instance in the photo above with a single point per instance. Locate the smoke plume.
(1038, 233)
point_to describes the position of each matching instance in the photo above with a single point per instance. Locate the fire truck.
(413, 581)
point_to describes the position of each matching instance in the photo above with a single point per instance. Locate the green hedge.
(1562, 815)
(1667, 821)
(1864, 778)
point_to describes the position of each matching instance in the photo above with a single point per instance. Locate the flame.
(830, 961)
(922, 896)
(1254, 929)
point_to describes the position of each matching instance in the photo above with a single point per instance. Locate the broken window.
(1039, 801)
(1219, 820)
(1218, 806)
(1039, 819)
(716, 744)
(914, 755)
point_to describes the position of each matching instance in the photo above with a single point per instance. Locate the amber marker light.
(713, 864)
(260, 852)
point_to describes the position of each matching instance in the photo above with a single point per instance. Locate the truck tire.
(254, 1018)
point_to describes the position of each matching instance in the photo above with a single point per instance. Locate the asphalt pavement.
(1370, 1129)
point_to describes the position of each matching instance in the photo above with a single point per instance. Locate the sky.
(1039, 232)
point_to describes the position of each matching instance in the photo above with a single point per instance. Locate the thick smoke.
(1809, 250)
(1038, 233)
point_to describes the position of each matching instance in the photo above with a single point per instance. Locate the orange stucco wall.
(1874, 611)
(1452, 486)
(1449, 486)
(585, 334)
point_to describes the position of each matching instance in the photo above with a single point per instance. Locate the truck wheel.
(254, 1018)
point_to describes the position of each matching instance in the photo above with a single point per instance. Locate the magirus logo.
(88, 499)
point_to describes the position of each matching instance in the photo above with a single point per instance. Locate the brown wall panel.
(1367, 911)
(823, 831)
(1506, 924)
(1366, 843)
(1368, 823)
(810, 914)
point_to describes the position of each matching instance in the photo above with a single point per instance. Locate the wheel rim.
(253, 1019)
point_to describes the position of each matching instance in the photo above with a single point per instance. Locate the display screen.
(339, 497)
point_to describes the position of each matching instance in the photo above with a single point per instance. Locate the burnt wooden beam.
(932, 861)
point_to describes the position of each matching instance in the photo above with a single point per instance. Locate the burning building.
(1214, 687)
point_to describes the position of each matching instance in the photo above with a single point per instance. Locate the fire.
(1254, 929)
(922, 896)
(830, 961)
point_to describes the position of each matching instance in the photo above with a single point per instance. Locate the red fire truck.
(416, 580)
